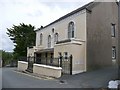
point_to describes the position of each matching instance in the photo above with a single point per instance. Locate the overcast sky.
(35, 12)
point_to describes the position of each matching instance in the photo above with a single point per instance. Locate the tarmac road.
(92, 79)
(13, 79)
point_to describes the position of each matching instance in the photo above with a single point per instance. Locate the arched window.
(41, 37)
(49, 41)
(56, 37)
(71, 30)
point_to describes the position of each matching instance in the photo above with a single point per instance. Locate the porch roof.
(45, 50)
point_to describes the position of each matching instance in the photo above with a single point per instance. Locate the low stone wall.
(47, 70)
(22, 66)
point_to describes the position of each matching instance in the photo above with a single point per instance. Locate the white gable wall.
(61, 28)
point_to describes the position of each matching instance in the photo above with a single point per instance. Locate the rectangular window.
(113, 52)
(113, 30)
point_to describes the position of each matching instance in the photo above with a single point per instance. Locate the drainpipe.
(119, 39)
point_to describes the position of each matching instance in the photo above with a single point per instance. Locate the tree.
(7, 57)
(23, 36)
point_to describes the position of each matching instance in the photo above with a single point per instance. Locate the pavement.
(92, 79)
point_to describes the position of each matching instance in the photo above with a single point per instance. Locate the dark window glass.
(113, 52)
(49, 41)
(66, 55)
(113, 30)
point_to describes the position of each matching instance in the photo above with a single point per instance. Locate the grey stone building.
(102, 30)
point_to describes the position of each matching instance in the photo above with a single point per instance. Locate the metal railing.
(65, 63)
(50, 61)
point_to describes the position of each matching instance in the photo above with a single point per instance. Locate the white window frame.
(71, 30)
(56, 35)
(49, 40)
(41, 38)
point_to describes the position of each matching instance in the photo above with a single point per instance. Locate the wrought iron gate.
(66, 64)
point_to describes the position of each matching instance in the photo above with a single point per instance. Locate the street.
(12, 79)
(92, 79)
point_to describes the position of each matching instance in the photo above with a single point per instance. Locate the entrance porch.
(44, 56)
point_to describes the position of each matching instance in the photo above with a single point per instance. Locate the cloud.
(7, 44)
(35, 12)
